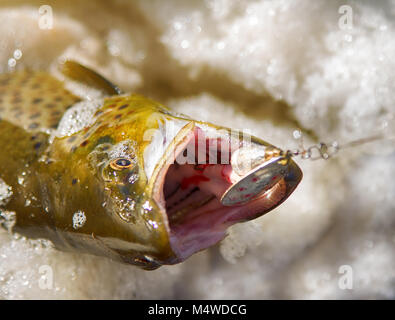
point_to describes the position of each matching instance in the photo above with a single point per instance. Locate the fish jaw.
(190, 194)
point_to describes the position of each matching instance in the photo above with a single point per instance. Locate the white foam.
(5, 193)
(78, 117)
(79, 219)
(230, 56)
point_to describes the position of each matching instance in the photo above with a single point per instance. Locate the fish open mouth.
(190, 189)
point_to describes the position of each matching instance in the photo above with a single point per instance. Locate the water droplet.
(383, 27)
(154, 224)
(21, 180)
(11, 62)
(185, 44)
(114, 50)
(146, 206)
(177, 26)
(297, 134)
(17, 54)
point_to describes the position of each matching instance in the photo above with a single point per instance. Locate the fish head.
(166, 186)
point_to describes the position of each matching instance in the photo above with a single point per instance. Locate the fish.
(123, 176)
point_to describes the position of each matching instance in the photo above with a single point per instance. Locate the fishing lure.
(123, 176)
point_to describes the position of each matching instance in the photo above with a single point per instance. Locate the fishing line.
(326, 151)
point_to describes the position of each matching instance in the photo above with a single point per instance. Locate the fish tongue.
(217, 179)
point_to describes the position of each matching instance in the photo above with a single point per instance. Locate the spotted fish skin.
(107, 189)
(33, 100)
(120, 212)
(53, 181)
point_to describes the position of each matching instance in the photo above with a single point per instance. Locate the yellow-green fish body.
(113, 176)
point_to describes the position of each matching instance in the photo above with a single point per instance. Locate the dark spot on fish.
(58, 98)
(54, 126)
(124, 189)
(74, 181)
(130, 112)
(105, 139)
(33, 137)
(185, 152)
(123, 107)
(55, 113)
(98, 112)
(33, 125)
(118, 116)
(50, 105)
(84, 143)
(16, 100)
(37, 145)
(36, 86)
(71, 139)
(37, 100)
(35, 115)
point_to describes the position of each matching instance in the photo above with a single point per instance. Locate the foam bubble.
(78, 117)
(79, 219)
(5, 193)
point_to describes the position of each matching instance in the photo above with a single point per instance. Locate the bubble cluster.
(5, 192)
(78, 117)
(79, 219)
(16, 56)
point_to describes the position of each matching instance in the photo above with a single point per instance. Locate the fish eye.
(120, 163)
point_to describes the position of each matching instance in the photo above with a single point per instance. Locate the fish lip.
(214, 226)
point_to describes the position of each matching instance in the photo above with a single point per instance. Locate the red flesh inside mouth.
(192, 193)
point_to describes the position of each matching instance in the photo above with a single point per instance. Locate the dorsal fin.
(33, 100)
(82, 74)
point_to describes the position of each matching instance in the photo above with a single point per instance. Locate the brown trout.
(123, 176)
